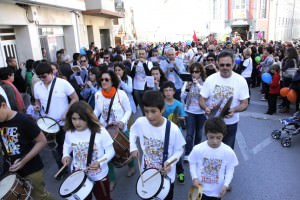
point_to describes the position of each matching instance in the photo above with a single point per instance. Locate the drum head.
(48, 125)
(6, 184)
(151, 187)
(72, 183)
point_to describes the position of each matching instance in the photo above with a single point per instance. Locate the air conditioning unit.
(119, 5)
(32, 13)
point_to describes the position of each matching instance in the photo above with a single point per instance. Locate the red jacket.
(275, 84)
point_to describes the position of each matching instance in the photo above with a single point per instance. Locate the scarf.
(19, 99)
(110, 93)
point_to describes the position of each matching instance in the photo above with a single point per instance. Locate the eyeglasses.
(223, 65)
(83, 61)
(106, 57)
(43, 76)
(196, 72)
(105, 79)
(210, 50)
(128, 54)
(210, 59)
(199, 48)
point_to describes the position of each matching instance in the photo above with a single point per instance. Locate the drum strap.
(166, 142)
(90, 150)
(50, 95)
(109, 108)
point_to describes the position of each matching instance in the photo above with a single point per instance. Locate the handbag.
(290, 72)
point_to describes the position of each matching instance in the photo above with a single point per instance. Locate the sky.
(169, 20)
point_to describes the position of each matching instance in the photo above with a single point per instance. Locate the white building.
(26, 26)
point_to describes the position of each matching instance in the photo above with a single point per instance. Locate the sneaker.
(229, 188)
(263, 99)
(186, 158)
(180, 178)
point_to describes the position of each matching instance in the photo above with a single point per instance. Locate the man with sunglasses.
(219, 87)
(61, 93)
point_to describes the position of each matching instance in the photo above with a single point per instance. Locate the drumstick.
(54, 124)
(141, 175)
(160, 170)
(60, 170)
(100, 161)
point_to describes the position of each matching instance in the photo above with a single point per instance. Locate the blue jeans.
(229, 139)
(194, 129)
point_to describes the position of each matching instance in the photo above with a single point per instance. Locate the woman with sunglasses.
(116, 112)
(190, 94)
(210, 64)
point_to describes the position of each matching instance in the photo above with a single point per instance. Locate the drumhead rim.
(161, 184)
(54, 121)
(76, 189)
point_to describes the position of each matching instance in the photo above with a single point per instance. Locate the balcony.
(105, 8)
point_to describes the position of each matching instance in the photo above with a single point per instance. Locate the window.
(263, 8)
(116, 21)
(240, 4)
(216, 9)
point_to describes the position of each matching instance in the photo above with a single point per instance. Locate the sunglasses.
(199, 48)
(106, 57)
(105, 79)
(210, 59)
(128, 54)
(196, 72)
(83, 61)
(42, 76)
(210, 50)
(223, 65)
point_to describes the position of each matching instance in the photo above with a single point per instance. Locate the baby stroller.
(291, 127)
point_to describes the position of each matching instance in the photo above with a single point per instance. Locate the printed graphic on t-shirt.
(210, 172)
(153, 152)
(10, 138)
(221, 93)
(112, 117)
(140, 73)
(194, 96)
(80, 153)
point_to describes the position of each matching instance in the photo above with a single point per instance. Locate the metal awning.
(104, 13)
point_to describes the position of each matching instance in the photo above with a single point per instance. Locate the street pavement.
(266, 170)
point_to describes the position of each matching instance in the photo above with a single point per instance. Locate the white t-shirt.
(2, 92)
(249, 66)
(120, 110)
(191, 52)
(213, 167)
(152, 144)
(216, 88)
(59, 101)
(139, 79)
(78, 143)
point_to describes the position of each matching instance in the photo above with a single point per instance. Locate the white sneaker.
(185, 158)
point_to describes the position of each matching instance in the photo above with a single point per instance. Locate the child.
(212, 162)
(274, 89)
(80, 124)
(151, 133)
(21, 141)
(174, 112)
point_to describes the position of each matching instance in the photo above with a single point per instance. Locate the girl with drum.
(80, 124)
(113, 107)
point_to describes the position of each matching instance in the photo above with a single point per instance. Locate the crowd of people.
(200, 87)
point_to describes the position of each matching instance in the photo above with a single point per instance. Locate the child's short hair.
(215, 125)
(168, 84)
(276, 67)
(153, 98)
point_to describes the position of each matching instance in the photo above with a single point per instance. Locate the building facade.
(27, 26)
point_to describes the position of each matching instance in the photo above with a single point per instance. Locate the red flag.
(195, 38)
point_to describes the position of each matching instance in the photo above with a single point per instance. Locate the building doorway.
(241, 30)
(105, 38)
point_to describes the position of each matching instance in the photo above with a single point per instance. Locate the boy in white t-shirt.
(212, 162)
(151, 133)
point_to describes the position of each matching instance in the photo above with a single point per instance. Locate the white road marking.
(242, 145)
(261, 146)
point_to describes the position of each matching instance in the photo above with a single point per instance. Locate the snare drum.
(156, 187)
(12, 187)
(76, 187)
(121, 145)
(195, 193)
(50, 128)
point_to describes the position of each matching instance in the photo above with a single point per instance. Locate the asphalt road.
(266, 170)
